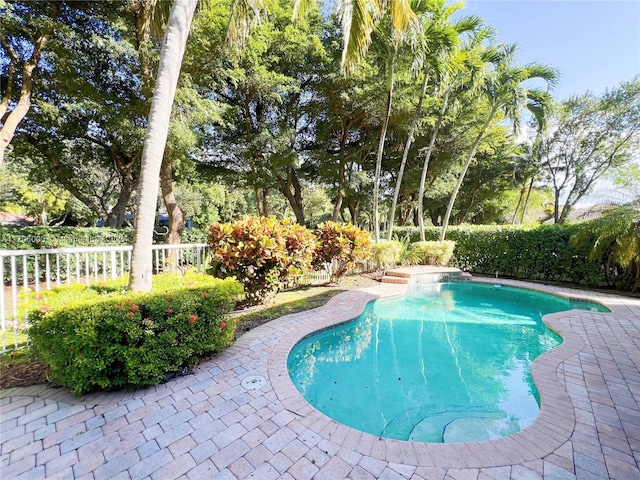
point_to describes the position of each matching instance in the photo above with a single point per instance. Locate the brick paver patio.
(210, 425)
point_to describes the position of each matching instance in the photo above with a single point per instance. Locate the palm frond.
(466, 24)
(245, 14)
(357, 24)
(541, 104)
(545, 72)
(301, 9)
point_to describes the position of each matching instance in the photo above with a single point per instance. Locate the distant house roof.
(588, 213)
(7, 218)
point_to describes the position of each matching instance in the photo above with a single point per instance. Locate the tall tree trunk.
(11, 121)
(117, 215)
(405, 154)
(173, 47)
(454, 194)
(556, 205)
(427, 158)
(526, 200)
(265, 201)
(295, 197)
(515, 211)
(337, 207)
(142, 13)
(176, 216)
(383, 134)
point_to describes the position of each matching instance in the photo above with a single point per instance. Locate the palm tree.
(616, 235)
(358, 20)
(504, 90)
(436, 34)
(390, 45)
(244, 13)
(173, 48)
(460, 72)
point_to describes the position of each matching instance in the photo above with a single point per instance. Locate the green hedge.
(102, 337)
(526, 252)
(33, 238)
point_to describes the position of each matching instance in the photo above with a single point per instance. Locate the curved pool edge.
(552, 428)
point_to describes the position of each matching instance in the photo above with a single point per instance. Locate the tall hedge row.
(540, 252)
(34, 238)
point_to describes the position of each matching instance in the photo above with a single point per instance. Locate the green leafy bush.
(433, 253)
(262, 253)
(386, 254)
(102, 337)
(541, 252)
(340, 247)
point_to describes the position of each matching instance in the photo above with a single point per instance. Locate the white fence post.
(80, 265)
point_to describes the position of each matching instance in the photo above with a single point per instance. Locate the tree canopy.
(280, 127)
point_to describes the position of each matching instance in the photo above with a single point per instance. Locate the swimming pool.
(444, 363)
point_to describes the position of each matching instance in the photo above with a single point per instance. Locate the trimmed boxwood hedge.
(33, 238)
(101, 337)
(540, 252)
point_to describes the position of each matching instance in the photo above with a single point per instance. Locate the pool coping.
(552, 428)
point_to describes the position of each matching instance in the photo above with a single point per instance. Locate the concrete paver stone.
(209, 426)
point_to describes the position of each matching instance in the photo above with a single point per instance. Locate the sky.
(594, 43)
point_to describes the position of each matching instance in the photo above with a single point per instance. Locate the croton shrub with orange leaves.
(264, 254)
(101, 337)
(340, 247)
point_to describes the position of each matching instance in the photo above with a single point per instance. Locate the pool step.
(391, 279)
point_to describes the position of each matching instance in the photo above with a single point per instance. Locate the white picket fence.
(36, 270)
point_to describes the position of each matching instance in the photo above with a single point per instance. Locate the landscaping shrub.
(264, 254)
(386, 254)
(433, 253)
(541, 252)
(102, 337)
(340, 247)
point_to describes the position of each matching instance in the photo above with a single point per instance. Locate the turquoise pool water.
(444, 363)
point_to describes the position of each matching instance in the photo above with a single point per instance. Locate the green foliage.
(102, 337)
(340, 247)
(386, 254)
(31, 238)
(262, 253)
(434, 253)
(44, 201)
(594, 134)
(614, 236)
(541, 252)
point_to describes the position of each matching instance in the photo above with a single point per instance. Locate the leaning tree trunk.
(11, 121)
(176, 216)
(383, 134)
(526, 200)
(427, 158)
(515, 212)
(405, 155)
(142, 13)
(454, 194)
(173, 47)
